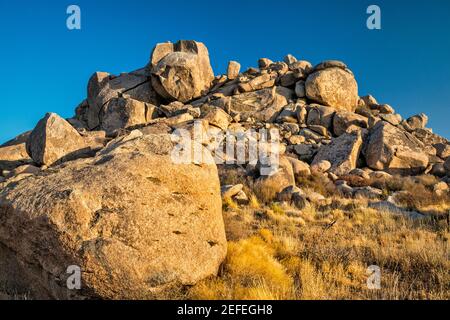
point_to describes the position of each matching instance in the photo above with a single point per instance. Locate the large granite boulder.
(395, 150)
(183, 73)
(343, 152)
(333, 87)
(103, 87)
(54, 139)
(135, 222)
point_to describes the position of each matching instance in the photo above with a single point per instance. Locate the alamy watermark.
(73, 281)
(231, 147)
(374, 279)
(73, 21)
(374, 20)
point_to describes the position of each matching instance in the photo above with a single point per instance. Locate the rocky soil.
(101, 190)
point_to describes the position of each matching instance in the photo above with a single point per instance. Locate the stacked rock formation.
(100, 191)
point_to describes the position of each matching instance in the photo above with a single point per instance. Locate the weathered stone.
(438, 170)
(14, 153)
(305, 152)
(321, 166)
(263, 105)
(297, 139)
(289, 59)
(25, 169)
(174, 121)
(368, 101)
(300, 168)
(121, 113)
(394, 150)
(345, 190)
(344, 119)
(279, 179)
(320, 115)
(286, 194)
(279, 67)
(440, 188)
(302, 114)
(343, 152)
(219, 118)
(418, 121)
(136, 223)
(368, 193)
(233, 70)
(103, 87)
(301, 66)
(314, 197)
(393, 119)
(383, 108)
(54, 139)
(160, 51)
(289, 79)
(442, 150)
(264, 63)
(300, 90)
(299, 200)
(263, 81)
(229, 191)
(184, 74)
(330, 64)
(333, 87)
(447, 166)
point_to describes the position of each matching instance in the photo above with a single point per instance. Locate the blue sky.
(45, 67)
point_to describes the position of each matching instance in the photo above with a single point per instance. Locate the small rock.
(264, 63)
(368, 193)
(344, 120)
(219, 118)
(442, 150)
(233, 70)
(383, 108)
(320, 130)
(299, 200)
(393, 119)
(301, 169)
(241, 198)
(345, 190)
(314, 197)
(321, 166)
(229, 191)
(286, 194)
(440, 188)
(290, 59)
(320, 115)
(418, 121)
(438, 170)
(300, 90)
(53, 139)
(297, 139)
(368, 101)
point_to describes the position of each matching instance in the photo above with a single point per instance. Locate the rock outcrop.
(128, 188)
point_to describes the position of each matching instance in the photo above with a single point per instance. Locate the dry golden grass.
(323, 253)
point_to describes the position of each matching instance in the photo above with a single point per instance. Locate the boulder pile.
(101, 190)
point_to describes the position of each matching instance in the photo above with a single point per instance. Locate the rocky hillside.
(102, 191)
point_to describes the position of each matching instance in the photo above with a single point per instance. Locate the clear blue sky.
(45, 67)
